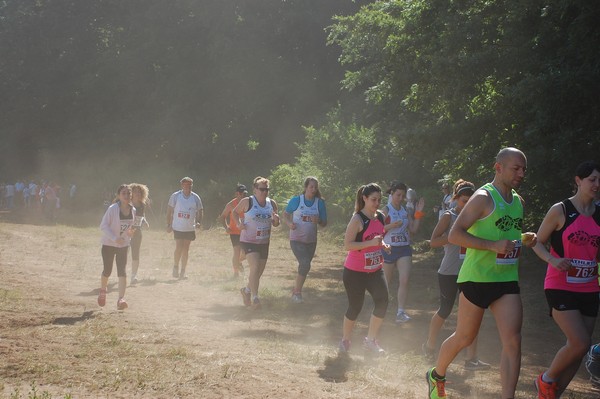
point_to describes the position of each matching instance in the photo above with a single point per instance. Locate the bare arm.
(289, 220)
(554, 220)
(199, 217)
(354, 227)
(275, 219)
(439, 236)
(415, 223)
(170, 211)
(238, 212)
(389, 226)
(224, 216)
(479, 206)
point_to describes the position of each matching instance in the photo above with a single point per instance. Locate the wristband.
(419, 215)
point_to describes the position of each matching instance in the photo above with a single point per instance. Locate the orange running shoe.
(546, 390)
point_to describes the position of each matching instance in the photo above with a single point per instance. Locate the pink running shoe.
(102, 297)
(121, 304)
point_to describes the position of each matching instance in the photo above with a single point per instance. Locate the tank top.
(398, 236)
(306, 230)
(577, 240)
(452, 260)
(369, 259)
(233, 227)
(504, 223)
(185, 210)
(258, 222)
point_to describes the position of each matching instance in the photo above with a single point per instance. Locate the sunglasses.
(263, 189)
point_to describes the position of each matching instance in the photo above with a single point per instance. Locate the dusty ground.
(194, 339)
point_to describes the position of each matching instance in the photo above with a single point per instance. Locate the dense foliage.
(151, 90)
(448, 83)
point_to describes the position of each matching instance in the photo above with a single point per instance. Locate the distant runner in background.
(117, 231)
(400, 223)
(256, 215)
(233, 229)
(184, 216)
(448, 274)
(302, 215)
(139, 199)
(572, 227)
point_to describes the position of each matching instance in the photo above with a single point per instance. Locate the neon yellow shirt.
(504, 223)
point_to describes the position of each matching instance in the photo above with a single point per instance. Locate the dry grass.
(193, 338)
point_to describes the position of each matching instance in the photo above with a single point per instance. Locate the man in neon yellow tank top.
(489, 227)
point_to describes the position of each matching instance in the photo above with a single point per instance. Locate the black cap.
(241, 188)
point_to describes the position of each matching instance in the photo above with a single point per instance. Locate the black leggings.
(356, 283)
(136, 243)
(108, 256)
(448, 291)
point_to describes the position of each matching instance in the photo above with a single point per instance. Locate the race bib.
(510, 258)
(263, 232)
(373, 260)
(183, 215)
(582, 271)
(138, 221)
(398, 238)
(124, 227)
(462, 253)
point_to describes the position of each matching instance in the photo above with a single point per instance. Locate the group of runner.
(482, 238)
(489, 227)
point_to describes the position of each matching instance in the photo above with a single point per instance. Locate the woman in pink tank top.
(363, 267)
(572, 227)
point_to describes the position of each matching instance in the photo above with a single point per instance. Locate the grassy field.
(194, 339)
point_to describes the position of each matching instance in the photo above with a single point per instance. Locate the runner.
(256, 215)
(184, 216)
(139, 194)
(572, 228)
(117, 231)
(448, 274)
(302, 215)
(400, 224)
(233, 230)
(363, 267)
(489, 227)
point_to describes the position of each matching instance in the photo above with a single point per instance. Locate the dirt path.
(193, 338)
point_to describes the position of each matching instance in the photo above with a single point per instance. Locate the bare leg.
(299, 283)
(578, 330)
(254, 273)
(508, 312)
(404, 265)
(184, 256)
(374, 326)
(347, 328)
(467, 327)
(435, 325)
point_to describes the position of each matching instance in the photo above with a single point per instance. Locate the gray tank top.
(451, 262)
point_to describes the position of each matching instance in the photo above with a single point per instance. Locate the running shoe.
(134, 280)
(436, 388)
(121, 304)
(102, 297)
(592, 364)
(372, 346)
(344, 345)
(545, 390)
(429, 354)
(175, 271)
(183, 276)
(256, 304)
(402, 317)
(297, 297)
(476, 364)
(245, 297)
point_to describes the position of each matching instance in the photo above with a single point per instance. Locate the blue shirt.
(294, 203)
